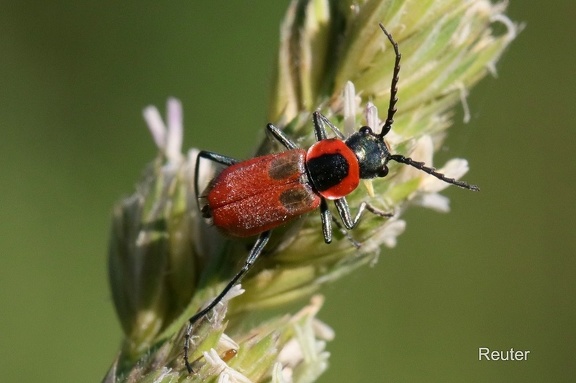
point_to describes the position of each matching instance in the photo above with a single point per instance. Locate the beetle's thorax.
(332, 168)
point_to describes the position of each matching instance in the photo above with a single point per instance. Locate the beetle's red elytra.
(253, 197)
(260, 194)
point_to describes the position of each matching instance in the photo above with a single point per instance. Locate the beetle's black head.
(371, 151)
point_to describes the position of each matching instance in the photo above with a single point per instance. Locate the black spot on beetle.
(327, 170)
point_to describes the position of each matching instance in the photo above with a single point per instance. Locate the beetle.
(254, 196)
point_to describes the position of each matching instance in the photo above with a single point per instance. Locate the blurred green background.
(498, 272)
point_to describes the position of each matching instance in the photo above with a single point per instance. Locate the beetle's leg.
(254, 253)
(320, 122)
(281, 137)
(214, 157)
(345, 233)
(319, 128)
(346, 215)
(327, 218)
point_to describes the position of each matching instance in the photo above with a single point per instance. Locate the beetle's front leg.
(346, 215)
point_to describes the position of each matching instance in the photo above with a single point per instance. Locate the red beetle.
(253, 197)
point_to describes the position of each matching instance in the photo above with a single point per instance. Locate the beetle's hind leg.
(252, 256)
(210, 156)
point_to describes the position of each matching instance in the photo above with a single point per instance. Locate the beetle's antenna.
(390, 120)
(421, 166)
(393, 86)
